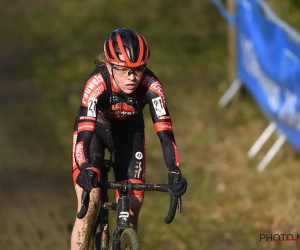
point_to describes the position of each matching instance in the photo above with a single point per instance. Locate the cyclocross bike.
(124, 237)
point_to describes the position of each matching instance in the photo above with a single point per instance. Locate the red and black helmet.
(120, 40)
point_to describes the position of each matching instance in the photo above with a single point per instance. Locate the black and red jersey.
(102, 102)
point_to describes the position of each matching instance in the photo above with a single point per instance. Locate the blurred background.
(47, 51)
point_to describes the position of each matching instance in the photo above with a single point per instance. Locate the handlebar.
(175, 202)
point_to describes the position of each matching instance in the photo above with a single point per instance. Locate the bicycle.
(124, 237)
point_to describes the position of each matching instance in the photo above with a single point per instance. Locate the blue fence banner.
(268, 64)
(268, 61)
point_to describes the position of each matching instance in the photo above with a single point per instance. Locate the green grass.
(49, 51)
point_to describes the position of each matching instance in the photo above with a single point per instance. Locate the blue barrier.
(268, 63)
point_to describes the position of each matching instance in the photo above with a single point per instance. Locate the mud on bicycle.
(124, 237)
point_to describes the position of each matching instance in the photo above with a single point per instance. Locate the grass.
(49, 52)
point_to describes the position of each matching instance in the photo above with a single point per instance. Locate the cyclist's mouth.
(131, 86)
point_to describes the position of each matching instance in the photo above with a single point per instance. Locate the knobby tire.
(129, 240)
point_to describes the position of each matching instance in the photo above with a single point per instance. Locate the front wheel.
(129, 240)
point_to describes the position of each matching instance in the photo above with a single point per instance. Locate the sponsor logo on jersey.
(73, 155)
(79, 154)
(94, 87)
(165, 117)
(154, 84)
(83, 126)
(139, 155)
(121, 110)
(87, 118)
(138, 169)
(149, 80)
(159, 126)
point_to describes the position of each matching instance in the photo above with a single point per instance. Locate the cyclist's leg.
(83, 230)
(136, 202)
(129, 159)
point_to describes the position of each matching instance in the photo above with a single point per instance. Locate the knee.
(136, 202)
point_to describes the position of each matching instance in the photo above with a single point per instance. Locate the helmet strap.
(112, 73)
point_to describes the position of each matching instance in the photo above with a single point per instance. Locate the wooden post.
(232, 74)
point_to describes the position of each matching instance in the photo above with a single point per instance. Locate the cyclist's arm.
(162, 123)
(86, 118)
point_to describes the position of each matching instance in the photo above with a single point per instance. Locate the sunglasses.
(123, 71)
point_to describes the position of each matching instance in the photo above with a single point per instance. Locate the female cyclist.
(111, 117)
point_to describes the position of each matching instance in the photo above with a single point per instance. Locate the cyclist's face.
(126, 79)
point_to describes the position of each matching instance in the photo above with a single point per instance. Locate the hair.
(100, 59)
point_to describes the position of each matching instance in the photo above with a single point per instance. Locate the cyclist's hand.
(177, 183)
(87, 179)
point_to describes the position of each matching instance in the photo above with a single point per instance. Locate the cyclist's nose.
(131, 72)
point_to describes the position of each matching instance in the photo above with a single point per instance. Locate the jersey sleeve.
(86, 118)
(162, 121)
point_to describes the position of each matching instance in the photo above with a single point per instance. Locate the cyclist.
(110, 117)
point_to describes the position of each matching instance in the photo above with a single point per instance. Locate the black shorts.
(126, 145)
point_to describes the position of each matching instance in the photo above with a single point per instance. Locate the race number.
(92, 107)
(158, 106)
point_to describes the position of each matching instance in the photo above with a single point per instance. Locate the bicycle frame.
(123, 219)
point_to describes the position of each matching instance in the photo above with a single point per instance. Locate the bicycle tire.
(129, 240)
